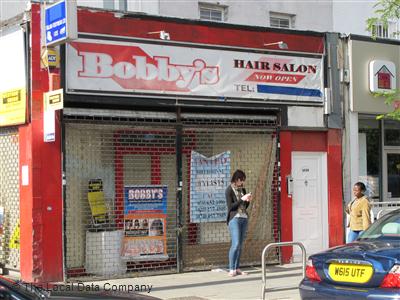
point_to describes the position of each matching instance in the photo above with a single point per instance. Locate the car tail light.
(392, 279)
(311, 272)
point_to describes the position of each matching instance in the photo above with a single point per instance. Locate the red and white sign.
(382, 76)
(126, 68)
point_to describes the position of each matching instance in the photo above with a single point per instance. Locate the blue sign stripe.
(274, 89)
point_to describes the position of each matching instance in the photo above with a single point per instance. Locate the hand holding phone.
(247, 197)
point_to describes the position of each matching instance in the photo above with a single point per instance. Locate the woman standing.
(237, 202)
(359, 211)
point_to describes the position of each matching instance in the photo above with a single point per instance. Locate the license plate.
(350, 272)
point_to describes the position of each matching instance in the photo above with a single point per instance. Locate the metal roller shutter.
(139, 149)
(9, 198)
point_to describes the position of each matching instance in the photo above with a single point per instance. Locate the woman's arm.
(230, 200)
(366, 214)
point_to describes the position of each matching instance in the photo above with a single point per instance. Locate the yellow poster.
(13, 107)
(14, 241)
(96, 201)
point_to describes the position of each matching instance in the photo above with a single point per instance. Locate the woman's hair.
(238, 174)
(361, 186)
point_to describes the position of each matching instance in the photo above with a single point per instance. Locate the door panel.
(310, 216)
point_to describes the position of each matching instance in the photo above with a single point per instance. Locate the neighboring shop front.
(372, 154)
(12, 113)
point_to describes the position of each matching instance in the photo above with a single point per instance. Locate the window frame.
(213, 8)
(290, 18)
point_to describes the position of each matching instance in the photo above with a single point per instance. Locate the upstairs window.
(380, 31)
(108, 4)
(385, 32)
(212, 12)
(280, 20)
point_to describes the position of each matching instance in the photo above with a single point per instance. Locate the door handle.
(289, 185)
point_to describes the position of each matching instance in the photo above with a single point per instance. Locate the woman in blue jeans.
(237, 202)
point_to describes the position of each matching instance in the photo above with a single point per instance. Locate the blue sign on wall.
(60, 22)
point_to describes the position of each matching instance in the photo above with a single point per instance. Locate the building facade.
(347, 17)
(372, 144)
(129, 175)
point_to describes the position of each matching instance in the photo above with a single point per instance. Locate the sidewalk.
(217, 285)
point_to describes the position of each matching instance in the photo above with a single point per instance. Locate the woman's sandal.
(240, 272)
(232, 273)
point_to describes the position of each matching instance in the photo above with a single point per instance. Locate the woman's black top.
(233, 203)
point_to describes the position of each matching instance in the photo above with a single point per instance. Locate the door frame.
(386, 151)
(323, 169)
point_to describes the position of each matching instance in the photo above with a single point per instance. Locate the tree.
(386, 11)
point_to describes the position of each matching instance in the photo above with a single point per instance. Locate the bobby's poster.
(145, 209)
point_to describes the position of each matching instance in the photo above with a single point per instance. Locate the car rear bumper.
(312, 290)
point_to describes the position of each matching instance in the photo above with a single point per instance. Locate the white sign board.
(127, 68)
(382, 76)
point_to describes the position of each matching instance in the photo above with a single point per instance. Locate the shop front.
(373, 151)
(150, 133)
(13, 115)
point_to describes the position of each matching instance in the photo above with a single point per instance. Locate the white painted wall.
(302, 116)
(257, 12)
(9, 9)
(351, 16)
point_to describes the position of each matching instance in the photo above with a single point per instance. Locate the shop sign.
(126, 68)
(60, 22)
(50, 58)
(145, 222)
(54, 100)
(13, 107)
(209, 177)
(382, 76)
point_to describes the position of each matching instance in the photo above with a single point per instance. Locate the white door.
(310, 201)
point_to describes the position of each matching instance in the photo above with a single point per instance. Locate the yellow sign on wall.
(13, 107)
(15, 241)
(54, 100)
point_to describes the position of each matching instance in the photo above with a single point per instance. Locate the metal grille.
(119, 156)
(140, 150)
(206, 245)
(9, 198)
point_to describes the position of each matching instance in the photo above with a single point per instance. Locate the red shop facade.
(127, 180)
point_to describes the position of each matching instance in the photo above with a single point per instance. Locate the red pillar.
(335, 188)
(41, 203)
(286, 201)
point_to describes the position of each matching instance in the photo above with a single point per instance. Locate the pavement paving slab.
(282, 284)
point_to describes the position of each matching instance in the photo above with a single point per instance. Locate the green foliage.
(390, 98)
(386, 11)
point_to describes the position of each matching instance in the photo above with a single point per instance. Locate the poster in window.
(209, 177)
(145, 209)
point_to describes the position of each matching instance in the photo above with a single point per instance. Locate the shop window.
(392, 133)
(280, 20)
(369, 156)
(212, 12)
(393, 175)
